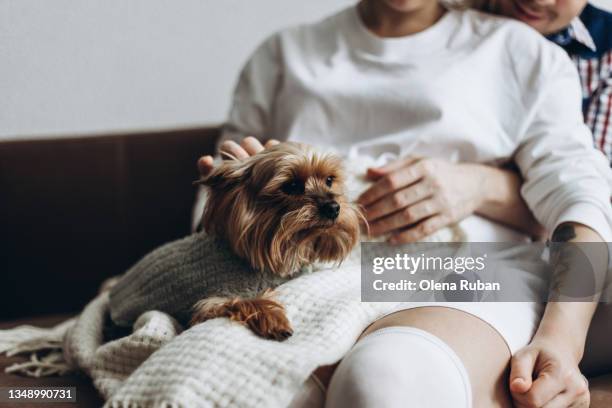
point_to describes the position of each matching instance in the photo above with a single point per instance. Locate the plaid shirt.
(588, 40)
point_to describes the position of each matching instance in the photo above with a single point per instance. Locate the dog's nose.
(329, 209)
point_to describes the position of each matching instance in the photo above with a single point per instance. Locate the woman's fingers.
(205, 165)
(390, 183)
(397, 200)
(230, 149)
(251, 145)
(248, 146)
(404, 217)
(421, 230)
(233, 150)
(270, 143)
(377, 172)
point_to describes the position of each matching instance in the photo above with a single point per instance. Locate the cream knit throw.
(218, 363)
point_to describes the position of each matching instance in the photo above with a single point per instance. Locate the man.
(585, 32)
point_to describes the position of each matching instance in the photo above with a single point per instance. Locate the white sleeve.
(254, 95)
(251, 106)
(566, 178)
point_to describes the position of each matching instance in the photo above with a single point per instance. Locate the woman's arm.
(250, 113)
(428, 194)
(253, 99)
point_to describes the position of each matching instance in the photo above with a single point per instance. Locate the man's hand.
(414, 197)
(247, 147)
(544, 374)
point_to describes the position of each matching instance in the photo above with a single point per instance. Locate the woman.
(400, 79)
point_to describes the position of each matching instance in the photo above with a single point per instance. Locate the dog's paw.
(263, 315)
(271, 323)
(209, 308)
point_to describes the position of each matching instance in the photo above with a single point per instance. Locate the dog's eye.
(294, 187)
(329, 181)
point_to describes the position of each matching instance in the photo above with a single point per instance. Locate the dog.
(281, 209)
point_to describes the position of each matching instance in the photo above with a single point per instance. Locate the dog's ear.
(229, 173)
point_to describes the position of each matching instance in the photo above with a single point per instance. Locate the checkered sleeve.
(596, 77)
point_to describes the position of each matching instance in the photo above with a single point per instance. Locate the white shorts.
(516, 322)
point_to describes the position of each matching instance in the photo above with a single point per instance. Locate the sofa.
(76, 210)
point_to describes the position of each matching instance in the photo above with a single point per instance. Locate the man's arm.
(502, 200)
(568, 263)
(547, 369)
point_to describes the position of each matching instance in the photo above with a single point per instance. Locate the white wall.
(87, 66)
(603, 3)
(69, 66)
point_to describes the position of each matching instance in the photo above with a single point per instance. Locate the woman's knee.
(400, 367)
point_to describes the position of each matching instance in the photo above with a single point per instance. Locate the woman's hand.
(414, 197)
(247, 147)
(545, 374)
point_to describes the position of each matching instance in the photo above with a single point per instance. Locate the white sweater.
(471, 88)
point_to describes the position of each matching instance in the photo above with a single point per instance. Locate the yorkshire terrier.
(281, 210)
(278, 211)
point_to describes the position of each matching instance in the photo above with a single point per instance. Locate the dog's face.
(282, 208)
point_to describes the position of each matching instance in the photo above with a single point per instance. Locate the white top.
(472, 88)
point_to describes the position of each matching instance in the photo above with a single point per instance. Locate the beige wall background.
(89, 66)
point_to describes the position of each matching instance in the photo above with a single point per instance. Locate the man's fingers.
(420, 231)
(390, 183)
(545, 387)
(205, 165)
(376, 172)
(521, 370)
(270, 143)
(576, 394)
(251, 145)
(567, 400)
(404, 217)
(233, 150)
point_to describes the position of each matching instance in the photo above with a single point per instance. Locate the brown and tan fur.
(281, 209)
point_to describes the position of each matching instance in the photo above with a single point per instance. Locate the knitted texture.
(110, 364)
(223, 364)
(218, 363)
(175, 276)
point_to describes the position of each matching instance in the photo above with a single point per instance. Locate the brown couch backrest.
(76, 211)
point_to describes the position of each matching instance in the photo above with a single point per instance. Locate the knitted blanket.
(218, 363)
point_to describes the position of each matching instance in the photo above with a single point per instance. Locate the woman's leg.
(448, 349)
